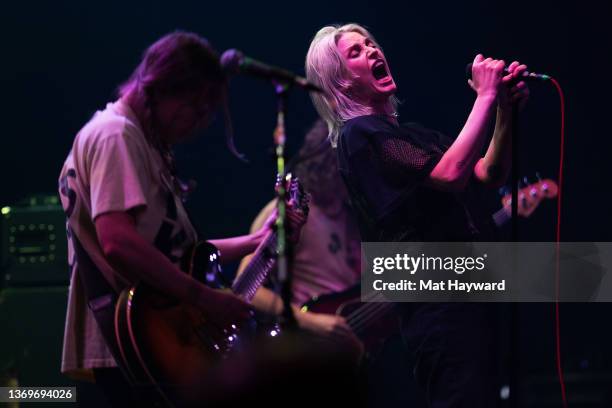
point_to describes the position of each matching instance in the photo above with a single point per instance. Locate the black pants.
(454, 352)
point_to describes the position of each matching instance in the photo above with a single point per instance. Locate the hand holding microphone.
(515, 92)
(488, 76)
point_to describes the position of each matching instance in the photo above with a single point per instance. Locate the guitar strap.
(101, 299)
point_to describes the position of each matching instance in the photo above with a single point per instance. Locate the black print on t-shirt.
(335, 245)
(71, 262)
(165, 241)
(66, 191)
(70, 194)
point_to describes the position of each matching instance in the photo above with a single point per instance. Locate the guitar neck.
(247, 283)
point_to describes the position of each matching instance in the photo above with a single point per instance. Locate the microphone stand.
(514, 314)
(515, 173)
(284, 252)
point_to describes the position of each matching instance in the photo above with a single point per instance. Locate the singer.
(410, 183)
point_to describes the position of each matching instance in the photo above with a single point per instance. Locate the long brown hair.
(180, 63)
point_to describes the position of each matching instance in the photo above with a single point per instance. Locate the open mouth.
(379, 70)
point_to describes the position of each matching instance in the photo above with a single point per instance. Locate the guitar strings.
(366, 317)
(369, 312)
(365, 314)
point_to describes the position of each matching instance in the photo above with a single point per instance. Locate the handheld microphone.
(527, 76)
(235, 62)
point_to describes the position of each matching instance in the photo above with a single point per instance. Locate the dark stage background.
(63, 60)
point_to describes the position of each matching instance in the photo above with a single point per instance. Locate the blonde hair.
(325, 68)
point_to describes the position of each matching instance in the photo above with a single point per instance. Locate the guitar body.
(335, 303)
(372, 322)
(169, 346)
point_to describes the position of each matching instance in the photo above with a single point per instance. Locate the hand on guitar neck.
(226, 308)
(296, 218)
(233, 249)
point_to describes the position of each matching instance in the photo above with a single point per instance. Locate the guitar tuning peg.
(525, 181)
(543, 185)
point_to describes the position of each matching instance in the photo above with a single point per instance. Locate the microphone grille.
(468, 70)
(231, 60)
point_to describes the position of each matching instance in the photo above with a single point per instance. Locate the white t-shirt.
(112, 167)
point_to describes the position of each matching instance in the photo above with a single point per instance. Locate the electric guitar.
(167, 346)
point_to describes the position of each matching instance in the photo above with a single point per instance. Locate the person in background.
(327, 257)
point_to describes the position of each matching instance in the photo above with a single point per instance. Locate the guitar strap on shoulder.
(101, 299)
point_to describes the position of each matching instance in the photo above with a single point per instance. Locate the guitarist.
(126, 220)
(327, 257)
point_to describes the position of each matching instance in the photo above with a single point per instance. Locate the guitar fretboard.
(247, 283)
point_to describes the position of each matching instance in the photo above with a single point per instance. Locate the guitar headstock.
(531, 196)
(295, 193)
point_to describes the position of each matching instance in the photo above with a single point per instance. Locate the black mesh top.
(384, 167)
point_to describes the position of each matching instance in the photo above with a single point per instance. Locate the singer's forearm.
(494, 167)
(457, 165)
